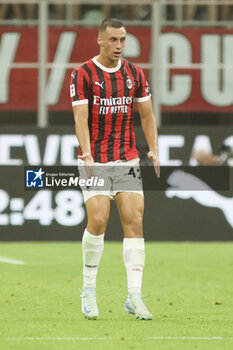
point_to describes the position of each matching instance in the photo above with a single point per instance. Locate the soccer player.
(102, 92)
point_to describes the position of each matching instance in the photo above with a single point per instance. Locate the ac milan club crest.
(129, 83)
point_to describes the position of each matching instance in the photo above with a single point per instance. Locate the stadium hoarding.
(171, 214)
(196, 66)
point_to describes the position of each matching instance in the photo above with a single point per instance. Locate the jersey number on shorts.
(135, 172)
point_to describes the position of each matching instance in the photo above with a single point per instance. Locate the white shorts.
(119, 176)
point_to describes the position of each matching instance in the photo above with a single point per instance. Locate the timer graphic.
(16, 207)
(64, 207)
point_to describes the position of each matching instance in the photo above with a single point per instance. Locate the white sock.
(92, 248)
(134, 260)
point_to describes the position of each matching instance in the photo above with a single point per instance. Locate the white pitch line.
(11, 261)
(113, 338)
(58, 338)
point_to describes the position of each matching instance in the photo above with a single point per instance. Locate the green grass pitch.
(188, 288)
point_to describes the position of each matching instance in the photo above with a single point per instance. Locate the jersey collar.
(109, 70)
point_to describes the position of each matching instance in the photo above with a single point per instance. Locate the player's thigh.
(98, 209)
(130, 206)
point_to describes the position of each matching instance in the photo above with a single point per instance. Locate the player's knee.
(136, 226)
(133, 224)
(99, 221)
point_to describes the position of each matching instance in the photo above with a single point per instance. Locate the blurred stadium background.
(186, 51)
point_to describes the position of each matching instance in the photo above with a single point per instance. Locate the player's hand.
(88, 164)
(155, 160)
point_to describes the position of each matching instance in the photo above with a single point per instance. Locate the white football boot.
(135, 305)
(89, 307)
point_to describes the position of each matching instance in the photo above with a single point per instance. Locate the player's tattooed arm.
(150, 131)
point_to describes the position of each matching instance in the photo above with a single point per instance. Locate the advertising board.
(172, 212)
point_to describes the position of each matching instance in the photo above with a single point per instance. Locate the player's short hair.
(110, 22)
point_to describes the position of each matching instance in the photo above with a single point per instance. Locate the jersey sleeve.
(79, 87)
(142, 93)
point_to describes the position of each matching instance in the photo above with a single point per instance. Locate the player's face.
(112, 43)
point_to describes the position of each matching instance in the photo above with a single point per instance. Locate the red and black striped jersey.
(110, 93)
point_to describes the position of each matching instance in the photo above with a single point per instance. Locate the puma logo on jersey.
(182, 182)
(99, 84)
(73, 74)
